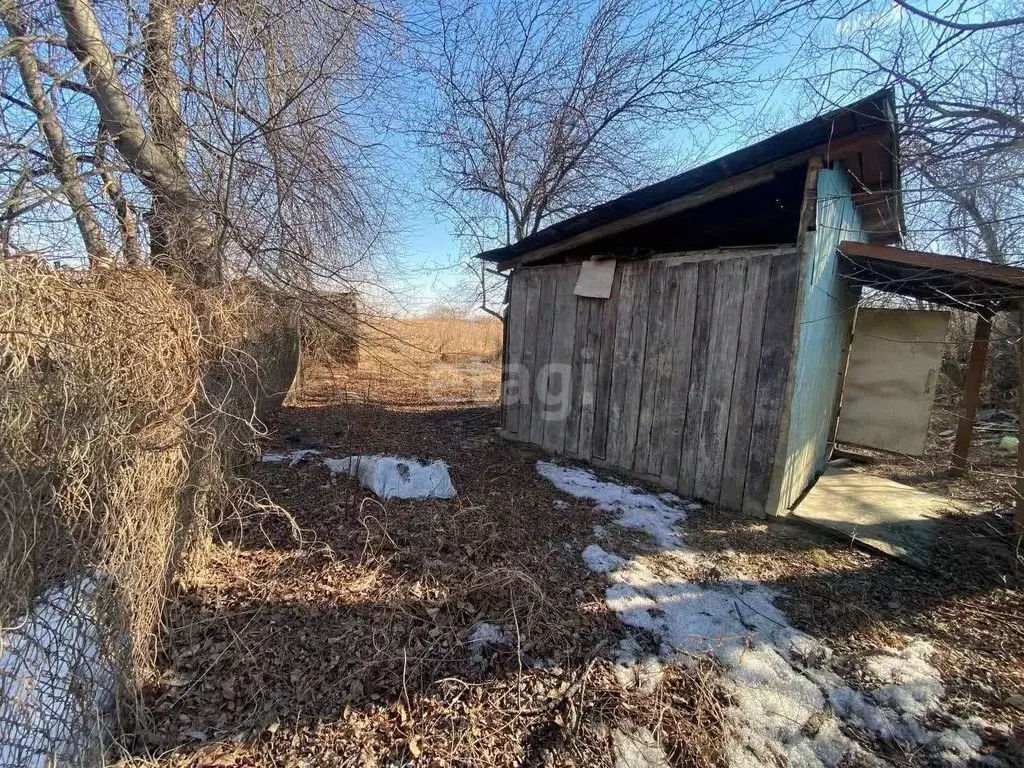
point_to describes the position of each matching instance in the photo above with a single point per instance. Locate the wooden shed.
(695, 333)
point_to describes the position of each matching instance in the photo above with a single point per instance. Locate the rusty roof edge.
(937, 262)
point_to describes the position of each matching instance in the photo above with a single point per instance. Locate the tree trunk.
(182, 242)
(65, 165)
(126, 219)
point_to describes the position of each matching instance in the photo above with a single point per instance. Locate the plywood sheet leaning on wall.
(890, 383)
(676, 378)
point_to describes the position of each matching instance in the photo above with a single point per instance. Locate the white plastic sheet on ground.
(391, 477)
(291, 457)
(779, 678)
(55, 686)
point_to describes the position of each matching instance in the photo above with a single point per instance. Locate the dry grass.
(438, 338)
(353, 650)
(422, 362)
(99, 379)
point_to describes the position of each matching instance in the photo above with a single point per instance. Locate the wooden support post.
(972, 394)
(1018, 516)
(844, 368)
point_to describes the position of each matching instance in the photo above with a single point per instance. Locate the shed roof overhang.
(952, 281)
(861, 135)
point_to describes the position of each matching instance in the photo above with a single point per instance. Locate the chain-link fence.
(123, 406)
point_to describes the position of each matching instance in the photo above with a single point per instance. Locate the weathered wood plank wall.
(676, 378)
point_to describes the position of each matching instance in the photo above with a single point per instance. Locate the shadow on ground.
(351, 644)
(355, 643)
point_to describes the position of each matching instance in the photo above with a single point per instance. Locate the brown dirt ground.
(348, 646)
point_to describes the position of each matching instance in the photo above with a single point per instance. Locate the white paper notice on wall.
(595, 280)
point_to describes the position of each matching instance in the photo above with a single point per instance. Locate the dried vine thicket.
(124, 404)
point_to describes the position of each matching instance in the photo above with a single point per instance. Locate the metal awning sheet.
(952, 281)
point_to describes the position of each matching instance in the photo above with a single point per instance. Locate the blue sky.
(432, 253)
(427, 245)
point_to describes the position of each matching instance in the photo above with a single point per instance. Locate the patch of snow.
(634, 747)
(486, 634)
(636, 509)
(56, 688)
(599, 561)
(737, 623)
(560, 504)
(635, 669)
(788, 703)
(908, 682)
(391, 477)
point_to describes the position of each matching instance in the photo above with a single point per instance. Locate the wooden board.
(881, 514)
(773, 372)
(532, 280)
(675, 399)
(559, 378)
(590, 357)
(748, 359)
(515, 334)
(726, 315)
(620, 362)
(580, 336)
(890, 381)
(667, 341)
(653, 349)
(603, 382)
(635, 362)
(699, 379)
(545, 322)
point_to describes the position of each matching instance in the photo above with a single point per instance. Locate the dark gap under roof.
(768, 214)
(863, 135)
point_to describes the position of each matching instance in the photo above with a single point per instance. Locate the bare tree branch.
(960, 25)
(63, 161)
(179, 208)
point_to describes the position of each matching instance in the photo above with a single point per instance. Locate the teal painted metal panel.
(828, 307)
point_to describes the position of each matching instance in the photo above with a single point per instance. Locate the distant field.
(425, 361)
(435, 338)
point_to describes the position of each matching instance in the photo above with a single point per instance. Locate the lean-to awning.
(978, 286)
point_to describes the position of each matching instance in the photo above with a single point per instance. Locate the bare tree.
(61, 160)
(236, 131)
(973, 206)
(959, 76)
(539, 109)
